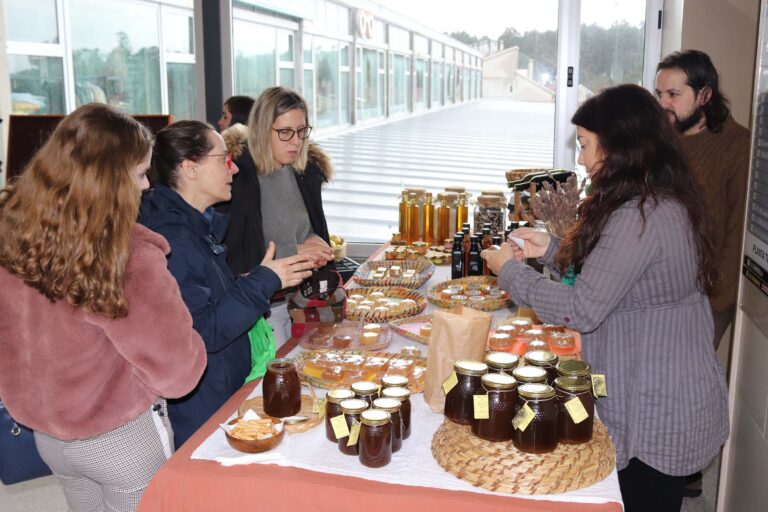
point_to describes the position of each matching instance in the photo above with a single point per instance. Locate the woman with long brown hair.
(642, 255)
(94, 332)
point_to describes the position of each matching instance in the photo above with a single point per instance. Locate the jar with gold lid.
(530, 375)
(573, 368)
(500, 389)
(351, 409)
(574, 426)
(458, 401)
(333, 408)
(365, 390)
(501, 362)
(392, 406)
(375, 442)
(403, 395)
(394, 381)
(543, 359)
(540, 433)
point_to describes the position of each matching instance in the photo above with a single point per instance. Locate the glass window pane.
(369, 91)
(254, 57)
(115, 54)
(344, 54)
(437, 83)
(399, 84)
(285, 46)
(309, 90)
(178, 33)
(181, 90)
(307, 45)
(344, 87)
(31, 21)
(327, 82)
(37, 84)
(420, 100)
(286, 77)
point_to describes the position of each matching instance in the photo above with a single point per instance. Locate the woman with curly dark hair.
(642, 255)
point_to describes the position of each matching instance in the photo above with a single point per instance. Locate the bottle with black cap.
(475, 263)
(457, 256)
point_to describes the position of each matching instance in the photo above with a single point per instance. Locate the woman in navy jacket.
(193, 171)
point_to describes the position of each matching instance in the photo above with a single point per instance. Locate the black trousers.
(645, 489)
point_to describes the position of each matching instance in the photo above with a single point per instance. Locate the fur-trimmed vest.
(245, 237)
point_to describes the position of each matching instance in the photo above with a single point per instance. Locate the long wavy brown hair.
(65, 223)
(643, 160)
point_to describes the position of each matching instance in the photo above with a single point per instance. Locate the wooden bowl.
(255, 445)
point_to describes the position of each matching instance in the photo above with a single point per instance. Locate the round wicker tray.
(390, 292)
(401, 327)
(434, 296)
(257, 405)
(503, 468)
(423, 268)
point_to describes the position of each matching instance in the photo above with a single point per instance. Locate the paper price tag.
(318, 407)
(354, 433)
(340, 427)
(576, 410)
(599, 387)
(450, 383)
(481, 407)
(523, 418)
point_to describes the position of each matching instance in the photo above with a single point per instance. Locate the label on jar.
(340, 427)
(576, 410)
(523, 418)
(318, 407)
(354, 433)
(450, 383)
(598, 385)
(481, 407)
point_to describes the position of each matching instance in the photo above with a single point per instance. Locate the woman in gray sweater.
(643, 260)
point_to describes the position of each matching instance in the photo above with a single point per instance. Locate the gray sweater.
(647, 327)
(284, 214)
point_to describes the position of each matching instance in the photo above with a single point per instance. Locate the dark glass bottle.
(457, 257)
(465, 231)
(474, 261)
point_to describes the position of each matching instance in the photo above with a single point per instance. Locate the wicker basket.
(423, 268)
(435, 297)
(501, 467)
(257, 405)
(401, 327)
(392, 292)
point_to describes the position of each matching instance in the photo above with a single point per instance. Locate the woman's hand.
(535, 242)
(496, 258)
(291, 270)
(317, 250)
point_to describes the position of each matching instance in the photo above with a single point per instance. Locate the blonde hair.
(273, 103)
(65, 224)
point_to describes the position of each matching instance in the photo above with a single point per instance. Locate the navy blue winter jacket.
(223, 307)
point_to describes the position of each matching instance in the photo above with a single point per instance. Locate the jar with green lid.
(333, 408)
(459, 406)
(573, 368)
(530, 375)
(569, 389)
(392, 406)
(375, 441)
(540, 434)
(501, 362)
(543, 359)
(502, 395)
(352, 409)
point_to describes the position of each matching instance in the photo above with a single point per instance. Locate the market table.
(187, 484)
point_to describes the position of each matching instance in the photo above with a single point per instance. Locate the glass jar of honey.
(333, 408)
(281, 389)
(375, 442)
(543, 359)
(530, 375)
(573, 368)
(351, 409)
(502, 395)
(365, 390)
(568, 389)
(562, 340)
(458, 401)
(540, 435)
(501, 362)
(392, 406)
(404, 396)
(394, 381)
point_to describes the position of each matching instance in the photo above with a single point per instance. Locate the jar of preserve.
(403, 395)
(394, 381)
(566, 390)
(333, 408)
(392, 406)
(535, 333)
(562, 340)
(281, 389)
(530, 375)
(375, 441)
(502, 395)
(543, 359)
(365, 390)
(351, 409)
(500, 341)
(458, 402)
(540, 435)
(573, 368)
(533, 344)
(501, 362)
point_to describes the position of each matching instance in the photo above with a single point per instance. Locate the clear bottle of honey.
(443, 221)
(413, 218)
(462, 213)
(429, 226)
(403, 216)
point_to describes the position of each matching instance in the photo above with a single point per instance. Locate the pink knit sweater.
(74, 375)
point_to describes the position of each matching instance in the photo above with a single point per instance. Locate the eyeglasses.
(229, 158)
(286, 134)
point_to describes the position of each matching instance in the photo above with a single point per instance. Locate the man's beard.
(689, 121)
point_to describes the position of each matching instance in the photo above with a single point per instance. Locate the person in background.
(193, 171)
(93, 330)
(642, 255)
(235, 111)
(277, 194)
(717, 149)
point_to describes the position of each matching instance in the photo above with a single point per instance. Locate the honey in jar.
(567, 389)
(392, 406)
(530, 375)
(365, 390)
(543, 359)
(375, 442)
(333, 408)
(573, 368)
(352, 409)
(403, 395)
(281, 389)
(540, 434)
(502, 395)
(394, 381)
(458, 401)
(501, 362)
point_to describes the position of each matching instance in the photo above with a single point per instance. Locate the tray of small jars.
(519, 335)
(477, 292)
(330, 369)
(416, 328)
(406, 273)
(383, 303)
(347, 335)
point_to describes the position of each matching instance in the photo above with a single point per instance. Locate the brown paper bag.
(460, 333)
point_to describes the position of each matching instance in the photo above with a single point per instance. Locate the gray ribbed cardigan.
(647, 327)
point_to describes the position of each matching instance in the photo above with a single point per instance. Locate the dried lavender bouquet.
(557, 205)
